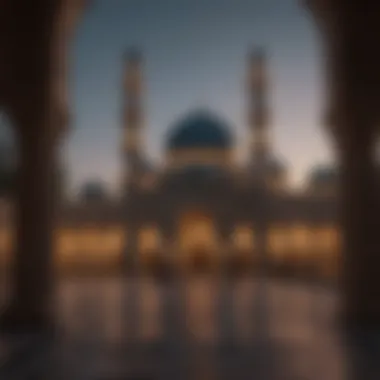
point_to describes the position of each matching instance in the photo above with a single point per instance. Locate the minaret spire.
(132, 118)
(257, 82)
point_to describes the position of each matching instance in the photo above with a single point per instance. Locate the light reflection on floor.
(199, 327)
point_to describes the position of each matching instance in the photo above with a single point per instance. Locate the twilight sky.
(195, 54)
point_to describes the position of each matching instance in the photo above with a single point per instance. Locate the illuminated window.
(243, 238)
(114, 239)
(327, 239)
(196, 231)
(300, 236)
(278, 242)
(89, 242)
(149, 240)
(177, 159)
(66, 243)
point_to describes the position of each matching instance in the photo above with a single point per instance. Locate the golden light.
(278, 242)
(149, 242)
(114, 239)
(196, 233)
(183, 157)
(66, 243)
(327, 239)
(300, 238)
(243, 238)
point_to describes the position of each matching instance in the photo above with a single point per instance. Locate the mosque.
(201, 209)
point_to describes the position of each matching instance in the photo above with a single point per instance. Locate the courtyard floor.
(198, 328)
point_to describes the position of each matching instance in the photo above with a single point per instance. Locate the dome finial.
(200, 129)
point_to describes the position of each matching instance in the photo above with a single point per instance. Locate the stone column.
(353, 58)
(32, 101)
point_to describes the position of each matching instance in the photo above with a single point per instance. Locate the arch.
(197, 240)
(243, 241)
(149, 245)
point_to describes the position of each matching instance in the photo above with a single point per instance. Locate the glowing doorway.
(197, 240)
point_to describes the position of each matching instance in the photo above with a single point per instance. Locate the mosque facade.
(202, 209)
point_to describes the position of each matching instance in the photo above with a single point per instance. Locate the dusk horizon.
(194, 56)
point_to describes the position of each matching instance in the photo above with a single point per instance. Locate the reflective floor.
(198, 328)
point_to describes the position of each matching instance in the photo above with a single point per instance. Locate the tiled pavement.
(194, 329)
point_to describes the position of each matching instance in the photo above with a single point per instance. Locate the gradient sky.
(195, 54)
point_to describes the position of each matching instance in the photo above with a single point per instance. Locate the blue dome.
(200, 130)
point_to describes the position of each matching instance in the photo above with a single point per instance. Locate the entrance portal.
(197, 242)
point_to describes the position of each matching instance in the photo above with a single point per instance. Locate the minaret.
(132, 119)
(257, 82)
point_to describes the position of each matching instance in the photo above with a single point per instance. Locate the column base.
(362, 341)
(362, 315)
(14, 320)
